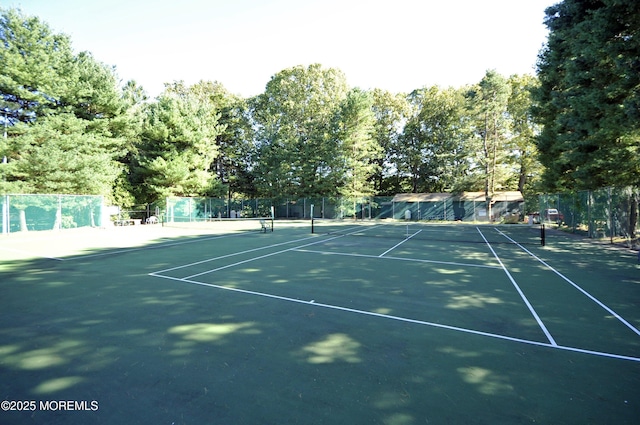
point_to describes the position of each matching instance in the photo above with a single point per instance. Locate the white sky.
(396, 45)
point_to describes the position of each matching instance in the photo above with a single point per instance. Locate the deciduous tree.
(390, 112)
(295, 121)
(431, 151)
(357, 148)
(489, 106)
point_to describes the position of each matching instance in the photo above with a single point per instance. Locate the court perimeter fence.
(50, 212)
(444, 207)
(608, 213)
(600, 214)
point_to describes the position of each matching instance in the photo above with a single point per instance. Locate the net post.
(542, 235)
(311, 218)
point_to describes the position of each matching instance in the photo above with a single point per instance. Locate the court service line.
(232, 255)
(575, 285)
(255, 258)
(400, 319)
(261, 256)
(524, 298)
(398, 244)
(414, 260)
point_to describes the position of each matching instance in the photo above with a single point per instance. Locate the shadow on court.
(160, 351)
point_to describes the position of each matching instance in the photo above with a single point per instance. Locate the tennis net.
(462, 232)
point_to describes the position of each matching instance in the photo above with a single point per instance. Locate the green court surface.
(380, 323)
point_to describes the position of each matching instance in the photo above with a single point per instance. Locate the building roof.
(509, 196)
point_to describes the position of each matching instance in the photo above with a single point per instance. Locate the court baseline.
(575, 285)
(551, 344)
(400, 319)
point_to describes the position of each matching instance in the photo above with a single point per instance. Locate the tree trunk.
(522, 180)
(23, 221)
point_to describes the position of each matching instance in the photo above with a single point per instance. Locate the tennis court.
(358, 322)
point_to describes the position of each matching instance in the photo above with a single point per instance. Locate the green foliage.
(92, 89)
(390, 111)
(488, 106)
(432, 151)
(178, 146)
(40, 75)
(589, 95)
(73, 130)
(358, 149)
(64, 111)
(234, 141)
(295, 126)
(58, 154)
(34, 64)
(526, 167)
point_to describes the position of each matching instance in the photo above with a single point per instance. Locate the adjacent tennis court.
(356, 322)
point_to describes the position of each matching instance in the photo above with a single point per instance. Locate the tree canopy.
(74, 127)
(65, 113)
(588, 101)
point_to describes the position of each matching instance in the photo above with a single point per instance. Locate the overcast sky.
(397, 45)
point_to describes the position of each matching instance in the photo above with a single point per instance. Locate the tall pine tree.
(589, 95)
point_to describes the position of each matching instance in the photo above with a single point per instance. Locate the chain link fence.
(22, 213)
(442, 206)
(609, 213)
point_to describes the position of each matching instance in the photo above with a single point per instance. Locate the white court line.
(398, 244)
(594, 299)
(262, 256)
(255, 258)
(231, 255)
(402, 319)
(524, 298)
(415, 260)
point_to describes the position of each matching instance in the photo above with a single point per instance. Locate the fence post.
(609, 207)
(5, 215)
(58, 222)
(590, 225)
